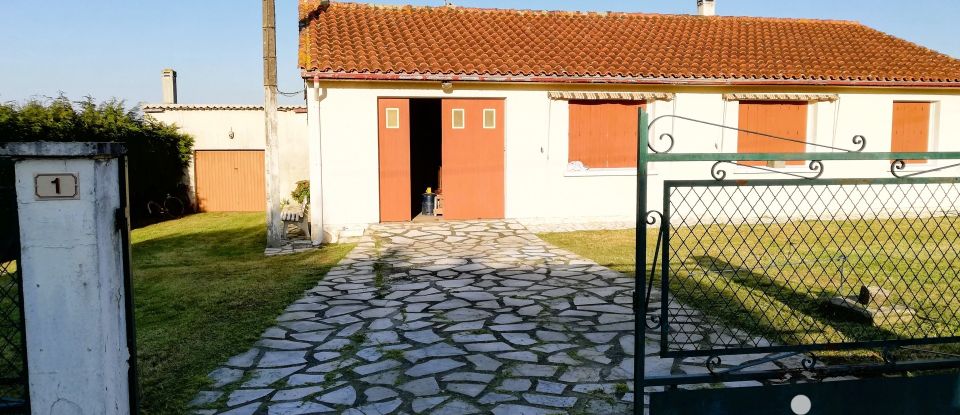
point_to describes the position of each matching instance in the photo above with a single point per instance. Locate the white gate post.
(71, 200)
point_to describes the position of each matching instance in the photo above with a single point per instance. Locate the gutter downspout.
(316, 163)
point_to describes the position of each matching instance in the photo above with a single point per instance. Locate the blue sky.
(116, 48)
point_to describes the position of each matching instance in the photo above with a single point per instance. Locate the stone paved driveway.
(445, 318)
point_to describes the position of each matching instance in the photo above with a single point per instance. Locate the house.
(227, 170)
(532, 115)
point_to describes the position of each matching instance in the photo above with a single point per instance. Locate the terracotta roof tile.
(347, 40)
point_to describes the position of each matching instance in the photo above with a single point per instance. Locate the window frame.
(493, 112)
(463, 118)
(395, 111)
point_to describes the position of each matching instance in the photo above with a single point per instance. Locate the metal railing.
(846, 276)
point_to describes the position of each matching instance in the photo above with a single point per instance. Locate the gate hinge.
(121, 219)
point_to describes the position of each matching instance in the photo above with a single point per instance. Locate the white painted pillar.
(73, 271)
(316, 164)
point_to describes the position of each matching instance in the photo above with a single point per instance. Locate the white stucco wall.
(211, 130)
(537, 184)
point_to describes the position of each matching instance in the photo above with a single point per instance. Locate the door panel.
(473, 159)
(394, 150)
(230, 181)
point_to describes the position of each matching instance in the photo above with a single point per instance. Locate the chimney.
(706, 7)
(169, 82)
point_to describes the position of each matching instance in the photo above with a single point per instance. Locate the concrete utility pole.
(272, 154)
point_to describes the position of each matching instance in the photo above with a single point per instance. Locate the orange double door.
(472, 159)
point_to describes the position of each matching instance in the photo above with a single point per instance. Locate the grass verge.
(775, 280)
(203, 292)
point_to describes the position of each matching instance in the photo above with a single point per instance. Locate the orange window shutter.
(776, 118)
(603, 134)
(576, 139)
(911, 128)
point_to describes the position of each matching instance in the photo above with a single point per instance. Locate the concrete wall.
(74, 305)
(540, 189)
(211, 130)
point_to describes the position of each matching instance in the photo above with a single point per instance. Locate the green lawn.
(613, 249)
(773, 280)
(203, 292)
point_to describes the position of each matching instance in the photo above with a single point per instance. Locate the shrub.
(157, 153)
(302, 192)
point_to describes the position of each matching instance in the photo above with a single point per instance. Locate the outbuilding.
(226, 172)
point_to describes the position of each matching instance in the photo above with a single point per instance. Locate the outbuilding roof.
(216, 107)
(359, 41)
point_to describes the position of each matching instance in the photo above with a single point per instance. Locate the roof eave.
(353, 76)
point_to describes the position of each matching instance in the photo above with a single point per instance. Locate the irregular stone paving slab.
(453, 318)
(266, 377)
(297, 393)
(343, 396)
(422, 387)
(515, 385)
(225, 376)
(299, 408)
(206, 397)
(457, 407)
(433, 366)
(422, 404)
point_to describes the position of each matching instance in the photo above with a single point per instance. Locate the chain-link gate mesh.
(13, 379)
(11, 335)
(811, 263)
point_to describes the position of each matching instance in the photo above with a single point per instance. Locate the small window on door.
(489, 118)
(393, 118)
(458, 118)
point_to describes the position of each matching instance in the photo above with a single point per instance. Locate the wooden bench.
(296, 215)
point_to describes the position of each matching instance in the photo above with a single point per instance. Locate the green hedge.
(158, 153)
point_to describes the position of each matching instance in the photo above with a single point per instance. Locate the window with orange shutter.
(603, 134)
(786, 119)
(911, 128)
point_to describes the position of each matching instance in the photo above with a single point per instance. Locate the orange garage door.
(230, 181)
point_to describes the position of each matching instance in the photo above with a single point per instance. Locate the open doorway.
(426, 149)
(419, 135)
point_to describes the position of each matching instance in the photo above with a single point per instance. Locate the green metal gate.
(14, 395)
(829, 277)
